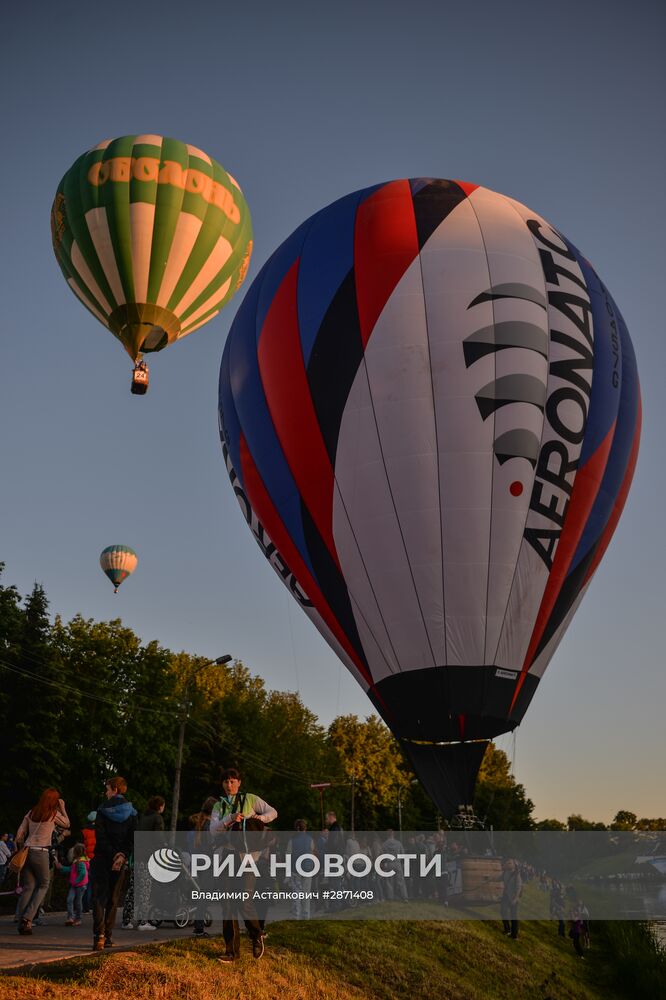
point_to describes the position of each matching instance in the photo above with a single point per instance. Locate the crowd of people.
(565, 903)
(101, 874)
(99, 867)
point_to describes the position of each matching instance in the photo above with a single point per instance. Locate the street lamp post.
(184, 706)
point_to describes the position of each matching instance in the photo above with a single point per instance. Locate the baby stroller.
(182, 910)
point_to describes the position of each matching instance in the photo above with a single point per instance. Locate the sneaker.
(98, 944)
(146, 926)
(201, 934)
(227, 957)
(108, 943)
(126, 924)
(76, 923)
(257, 947)
(25, 927)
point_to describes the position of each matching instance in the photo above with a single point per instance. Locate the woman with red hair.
(35, 833)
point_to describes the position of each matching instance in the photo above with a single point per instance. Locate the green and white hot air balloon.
(118, 562)
(153, 236)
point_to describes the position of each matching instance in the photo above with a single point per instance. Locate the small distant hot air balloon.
(154, 237)
(118, 562)
(430, 413)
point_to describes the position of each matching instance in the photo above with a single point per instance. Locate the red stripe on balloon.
(262, 506)
(585, 489)
(385, 244)
(466, 187)
(618, 507)
(292, 411)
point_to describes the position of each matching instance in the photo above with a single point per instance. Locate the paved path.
(53, 940)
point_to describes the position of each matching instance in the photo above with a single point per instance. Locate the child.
(78, 881)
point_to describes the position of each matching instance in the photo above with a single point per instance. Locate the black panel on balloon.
(428, 704)
(432, 204)
(448, 774)
(334, 361)
(332, 584)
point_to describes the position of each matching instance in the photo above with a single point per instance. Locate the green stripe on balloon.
(116, 199)
(142, 189)
(167, 209)
(75, 207)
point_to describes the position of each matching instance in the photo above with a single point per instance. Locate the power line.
(84, 694)
(253, 759)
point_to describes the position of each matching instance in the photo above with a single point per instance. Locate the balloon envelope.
(430, 413)
(118, 562)
(153, 236)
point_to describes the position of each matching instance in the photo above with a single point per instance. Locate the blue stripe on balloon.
(418, 183)
(250, 409)
(326, 258)
(275, 270)
(604, 397)
(623, 438)
(230, 428)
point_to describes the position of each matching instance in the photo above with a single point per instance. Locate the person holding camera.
(234, 806)
(241, 811)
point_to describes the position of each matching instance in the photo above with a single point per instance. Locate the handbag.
(20, 856)
(18, 859)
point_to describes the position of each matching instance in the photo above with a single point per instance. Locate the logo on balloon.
(519, 387)
(165, 865)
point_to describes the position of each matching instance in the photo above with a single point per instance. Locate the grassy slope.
(340, 961)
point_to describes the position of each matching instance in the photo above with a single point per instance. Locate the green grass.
(639, 962)
(615, 864)
(391, 960)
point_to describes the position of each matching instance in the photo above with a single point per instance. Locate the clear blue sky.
(558, 106)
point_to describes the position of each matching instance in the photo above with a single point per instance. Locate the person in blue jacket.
(115, 823)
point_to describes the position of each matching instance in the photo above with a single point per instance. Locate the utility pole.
(399, 810)
(185, 709)
(320, 786)
(353, 788)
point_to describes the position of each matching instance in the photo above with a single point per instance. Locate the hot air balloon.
(154, 237)
(118, 562)
(430, 414)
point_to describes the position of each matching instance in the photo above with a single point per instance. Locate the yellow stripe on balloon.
(98, 227)
(217, 258)
(185, 236)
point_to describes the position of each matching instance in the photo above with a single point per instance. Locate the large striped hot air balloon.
(153, 236)
(118, 562)
(430, 413)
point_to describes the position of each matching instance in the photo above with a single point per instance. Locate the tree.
(552, 825)
(651, 824)
(12, 619)
(576, 822)
(624, 820)
(33, 757)
(121, 713)
(271, 737)
(369, 756)
(499, 798)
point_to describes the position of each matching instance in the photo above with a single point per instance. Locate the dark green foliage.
(499, 799)
(639, 963)
(83, 700)
(34, 706)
